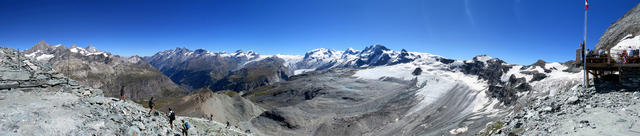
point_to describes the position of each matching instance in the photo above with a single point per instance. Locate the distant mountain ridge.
(201, 68)
(374, 55)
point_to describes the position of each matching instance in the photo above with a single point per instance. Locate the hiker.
(630, 51)
(600, 52)
(172, 117)
(624, 56)
(185, 128)
(151, 105)
(122, 95)
(228, 125)
(211, 117)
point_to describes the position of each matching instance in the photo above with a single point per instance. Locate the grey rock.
(41, 77)
(56, 81)
(572, 100)
(140, 125)
(14, 75)
(8, 84)
(97, 92)
(133, 131)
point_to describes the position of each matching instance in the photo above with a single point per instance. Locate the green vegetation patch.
(493, 128)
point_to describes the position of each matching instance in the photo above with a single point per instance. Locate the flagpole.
(584, 43)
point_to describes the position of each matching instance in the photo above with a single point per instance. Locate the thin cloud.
(468, 12)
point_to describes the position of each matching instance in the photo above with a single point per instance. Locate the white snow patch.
(515, 70)
(255, 59)
(33, 54)
(624, 44)
(290, 60)
(459, 130)
(134, 59)
(436, 80)
(44, 57)
(483, 58)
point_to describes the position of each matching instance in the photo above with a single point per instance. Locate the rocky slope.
(574, 111)
(254, 74)
(37, 100)
(225, 106)
(106, 71)
(627, 27)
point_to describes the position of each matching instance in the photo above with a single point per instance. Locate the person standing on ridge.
(172, 117)
(122, 94)
(185, 129)
(151, 105)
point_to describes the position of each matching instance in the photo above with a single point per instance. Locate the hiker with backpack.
(185, 128)
(172, 117)
(151, 105)
(122, 94)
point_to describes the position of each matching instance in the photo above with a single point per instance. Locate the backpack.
(186, 124)
(172, 116)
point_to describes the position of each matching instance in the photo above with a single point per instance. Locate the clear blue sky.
(518, 31)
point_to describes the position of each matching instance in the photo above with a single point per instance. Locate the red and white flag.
(586, 4)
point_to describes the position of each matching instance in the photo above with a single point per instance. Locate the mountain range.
(286, 90)
(106, 71)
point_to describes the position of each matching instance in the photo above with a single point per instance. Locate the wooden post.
(586, 82)
(620, 73)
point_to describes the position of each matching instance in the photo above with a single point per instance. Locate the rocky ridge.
(37, 100)
(575, 111)
(627, 25)
(99, 69)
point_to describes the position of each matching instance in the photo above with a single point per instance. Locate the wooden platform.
(626, 74)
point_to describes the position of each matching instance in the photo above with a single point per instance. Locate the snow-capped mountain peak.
(92, 49)
(323, 53)
(351, 51)
(44, 52)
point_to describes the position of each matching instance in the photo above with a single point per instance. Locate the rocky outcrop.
(629, 24)
(492, 70)
(255, 74)
(575, 111)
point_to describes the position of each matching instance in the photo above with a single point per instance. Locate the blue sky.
(517, 31)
